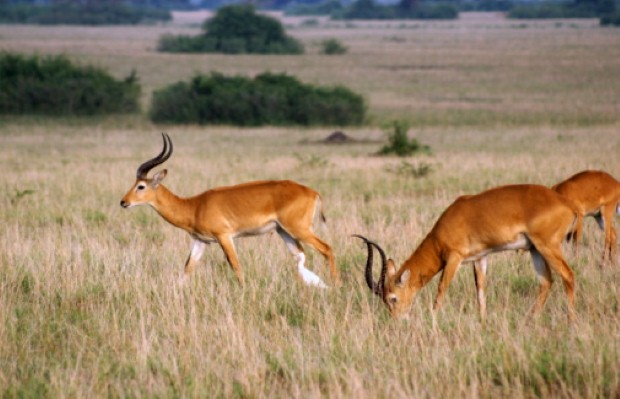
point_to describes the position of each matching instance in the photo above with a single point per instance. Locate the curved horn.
(163, 156)
(376, 287)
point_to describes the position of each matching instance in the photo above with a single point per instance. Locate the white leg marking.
(198, 248)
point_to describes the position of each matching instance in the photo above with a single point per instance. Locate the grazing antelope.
(512, 217)
(597, 194)
(224, 213)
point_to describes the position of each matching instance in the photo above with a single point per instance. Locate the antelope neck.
(175, 210)
(424, 263)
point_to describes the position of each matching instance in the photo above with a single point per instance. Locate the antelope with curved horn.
(224, 213)
(597, 194)
(512, 217)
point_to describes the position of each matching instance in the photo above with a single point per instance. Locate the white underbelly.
(255, 231)
(521, 242)
(271, 226)
(204, 238)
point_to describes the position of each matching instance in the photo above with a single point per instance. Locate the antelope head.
(144, 189)
(393, 287)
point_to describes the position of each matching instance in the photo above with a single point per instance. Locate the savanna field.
(90, 299)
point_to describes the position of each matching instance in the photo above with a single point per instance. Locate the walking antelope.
(512, 217)
(597, 194)
(224, 213)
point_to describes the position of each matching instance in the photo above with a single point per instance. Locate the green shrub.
(236, 29)
(185, 44)
(332, 47)
(268, 99)
(52, 85)
(89, 13)
(399, 143)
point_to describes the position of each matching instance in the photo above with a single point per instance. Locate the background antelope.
(511, 217)
(595, 193)
(224, 213)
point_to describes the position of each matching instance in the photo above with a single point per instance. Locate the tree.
(239, 29)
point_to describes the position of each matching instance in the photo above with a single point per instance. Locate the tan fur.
(475, 225)
(595, 193)
(223, 213)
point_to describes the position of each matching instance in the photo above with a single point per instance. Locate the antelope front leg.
(446, 277)
(228, 246)
(198, 248)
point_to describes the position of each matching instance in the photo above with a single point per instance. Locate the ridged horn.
(163, 156)
(375, 287)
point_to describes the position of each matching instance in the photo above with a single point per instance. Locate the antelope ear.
(391, 269)
(404, 277)
(159, 176)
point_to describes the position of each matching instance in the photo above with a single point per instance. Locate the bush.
(52, 85)
(399, 143)
(333, 47)
(268, 99)
(185, 44)
(90, 13)
(236, 29)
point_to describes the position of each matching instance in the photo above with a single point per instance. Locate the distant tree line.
(405, 9)
(449, 9)
(566, 9)
(328, 7)
(612, 19)
(370, 9)
(87, 12)
(140, 11)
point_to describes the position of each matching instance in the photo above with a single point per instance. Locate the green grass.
(89, 300)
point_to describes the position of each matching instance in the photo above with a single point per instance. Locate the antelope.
(530, 217)
(224, 213)
(597, 194)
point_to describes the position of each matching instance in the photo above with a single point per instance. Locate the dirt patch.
(338, 137)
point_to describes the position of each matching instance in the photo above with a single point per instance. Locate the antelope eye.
(141, 187)
(392, 300)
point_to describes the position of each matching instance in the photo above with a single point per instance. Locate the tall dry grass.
(89, 300)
